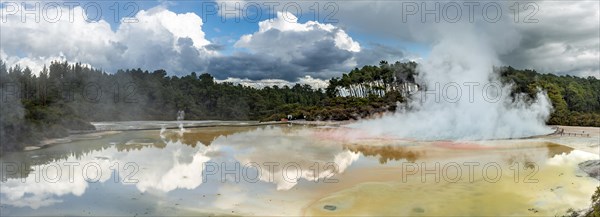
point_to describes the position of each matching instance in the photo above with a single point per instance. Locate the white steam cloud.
(464, 98)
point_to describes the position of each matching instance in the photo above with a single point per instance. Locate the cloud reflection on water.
(167, 163)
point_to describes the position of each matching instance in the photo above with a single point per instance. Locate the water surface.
(290, 170)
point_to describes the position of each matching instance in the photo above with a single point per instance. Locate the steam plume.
(464, 97)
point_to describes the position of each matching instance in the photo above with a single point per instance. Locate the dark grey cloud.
(281, 49)
(376, 52)
(563, 39)
(566, 40)
(284, 49)
(321, 56)
(315, 61)
(252, 66)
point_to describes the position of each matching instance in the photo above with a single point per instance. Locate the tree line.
(66, 97)
(575, 100)
(374, 80)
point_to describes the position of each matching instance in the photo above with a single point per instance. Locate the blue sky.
(358, 33)
(226, 30)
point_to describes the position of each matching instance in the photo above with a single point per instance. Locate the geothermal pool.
(292, 170)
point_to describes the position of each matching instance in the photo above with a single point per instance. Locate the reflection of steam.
(464, 98)
(386, 153)
(163, 129)
(181, 129)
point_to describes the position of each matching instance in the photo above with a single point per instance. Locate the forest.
(66, 97)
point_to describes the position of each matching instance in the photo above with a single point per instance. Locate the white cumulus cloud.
(159, 39)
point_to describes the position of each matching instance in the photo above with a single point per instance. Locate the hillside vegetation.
(65, 97)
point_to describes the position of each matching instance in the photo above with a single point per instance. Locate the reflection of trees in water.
(557, 149)
(25, 161)
(206, 136)
(529, 159)
(386, 153)
(139, 144)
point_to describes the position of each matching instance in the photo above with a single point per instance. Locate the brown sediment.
(581, 138)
